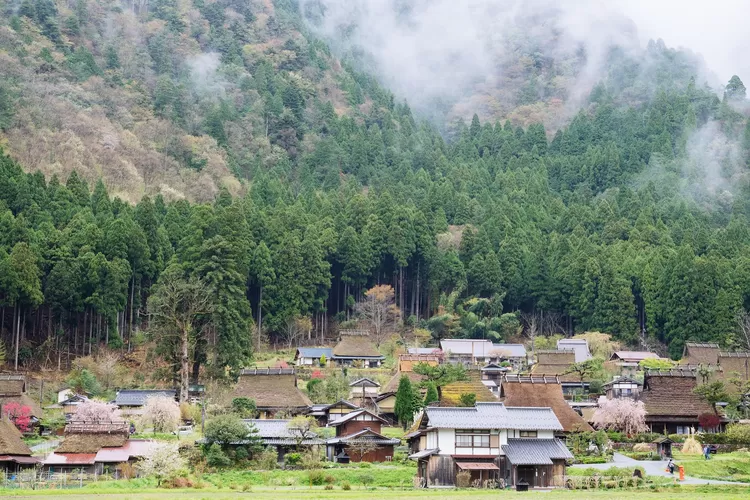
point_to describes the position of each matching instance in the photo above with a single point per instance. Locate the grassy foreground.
(722, 466)
(675, 493)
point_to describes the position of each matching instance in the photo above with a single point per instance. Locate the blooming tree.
(623, 415)
(93, 411)
(162, 461)
(378, 309)
(19, 415)
(162, 413)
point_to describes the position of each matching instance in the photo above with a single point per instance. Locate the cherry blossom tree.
(162, 461)
(162, 413)
(93, 411)
(19, 415)
(623, 415)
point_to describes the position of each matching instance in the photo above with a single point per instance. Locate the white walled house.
(491, 441)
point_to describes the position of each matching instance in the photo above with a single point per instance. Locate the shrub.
(328, 487)
(292, 458)
(463, 479)
(215, 457)
(738, 433)
(678, 438)
(346, 486)
(366, 479)
(329, 479)
(241, 453)
(316, 477)
(267, 459)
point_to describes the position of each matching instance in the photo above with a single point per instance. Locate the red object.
(682, 473)
(709, 420)
(317, 374)
(19, 415)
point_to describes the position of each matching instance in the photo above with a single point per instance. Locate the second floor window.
(528, 434)
(472, 438)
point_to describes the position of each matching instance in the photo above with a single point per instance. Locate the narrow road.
(652, 468)
(45, 446)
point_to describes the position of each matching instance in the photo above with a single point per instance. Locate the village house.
(734, 365)
(311, 356)
(623, 387)
(580, 346)
(131, 401)
(559, 364)
(356, 349)
(700, 353)
(436, 351)
(359, 439)
(492, 374)
(13, 390)
(671, 405)
(96, 448)
(274, 391)
(15, 455)
(327, 413)
(68, 406)
(407, 362)
(276, 434)
(628, 362)
(541, 392)
(481, 352)
(496, 444)
(362, 391)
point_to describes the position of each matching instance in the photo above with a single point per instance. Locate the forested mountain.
(288, 183)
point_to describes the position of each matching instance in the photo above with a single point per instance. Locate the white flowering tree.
(622, 415)
(162, 461)
(92, 412)
(162, 413)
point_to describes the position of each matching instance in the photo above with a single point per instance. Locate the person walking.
(707, 452)
(670, 466)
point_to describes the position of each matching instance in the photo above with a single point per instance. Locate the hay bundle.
(692, 447)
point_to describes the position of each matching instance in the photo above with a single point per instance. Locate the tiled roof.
(481, 416)
(357, 347)
(522, 392)
(470, 347)
(276, 428)
(672, 396)
(365, 435)
(314, 352)
(580, 346)
(535, 451)
(364, 382)
(510, 350)
(532, 418)
(424, 350)
(424, 453)
(353, 415)
(137, 397)
(272, 390)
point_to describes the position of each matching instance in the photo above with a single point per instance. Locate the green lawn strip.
(385, 476)
(721, 467)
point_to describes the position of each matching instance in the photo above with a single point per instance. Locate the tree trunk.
(18, 335)
(260, 316)
(184, 365)
(130, 326)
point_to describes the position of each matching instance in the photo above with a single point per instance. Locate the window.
(528, 434)
(472, 438)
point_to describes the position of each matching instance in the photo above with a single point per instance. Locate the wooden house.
(15, 455)
(327, 413)
(492, 374)
(541, 392)
(671, 405)
(494, 443)
(95, 448)
(406, 362)
(356, 350)
(13, 390)
(311, 356)
(700, 353)
(359, 439)
(623, 387)
(132, 401)
(274, 391)
(363, 390)
(276, 434)
(628, 363)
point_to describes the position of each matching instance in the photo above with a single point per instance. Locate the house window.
(683, 429)
(528, 434)
(472, 438)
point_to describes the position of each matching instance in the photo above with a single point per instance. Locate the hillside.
(282, 184)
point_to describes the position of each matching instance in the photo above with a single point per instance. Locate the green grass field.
(681, 493)
(722, 466)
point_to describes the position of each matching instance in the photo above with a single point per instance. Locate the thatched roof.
(671, 395)
(542, 394)
(10, 440)
(696, 353)
(392, 385)
(90, 443)
(556, 363)
(735, 364)
(12, 385)
(353, 346)
(24, 400)
(271, 390)
(450, 395)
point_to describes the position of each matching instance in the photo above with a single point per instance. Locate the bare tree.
(531, 326)
(176, 307)
(379, 310)
(296, 328)
(361, 447)
(301, 428)
(743, 324)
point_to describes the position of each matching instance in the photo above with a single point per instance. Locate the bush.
(328, 487)
(738, 434)
(241, 453)
(329, 479)
(463, 479)
(292, 459)
(316, 477)
(268, 459)
(215, 457)
(586, 459)
(366, 479)
(678, 438)
(346, 486)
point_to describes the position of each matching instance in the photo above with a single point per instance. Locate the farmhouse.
(14, 454)
(276, 434)
(132, 401)
(628, 362)
(356, 350)
(326, 413)
(541, 392)
(559, 364)
(13, 390)
(274, 391)
(580, 346)
(481, 352)
(623, 387)
(735, 365)
(700, 353)
(671, 405)
(311, 356)
(359, 439)
(492, 442)
(407, 362)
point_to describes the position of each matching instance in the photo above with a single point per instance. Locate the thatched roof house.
(556, 363)
(13, 389)
(357, 349)
(274, 390)
(671, 405)
(450, 395)
(14, 453)
(735, 364)
(700, 353)
(541, 392)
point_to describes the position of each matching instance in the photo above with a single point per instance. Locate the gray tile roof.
(365, 435)
(529, 419)
(274, 428)
(315, 352)
(535, 451)
(424, 453)
(364, 382)
(512, 350)
(492, 416)
(138, 397)
(423, 350)
(353, 415)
